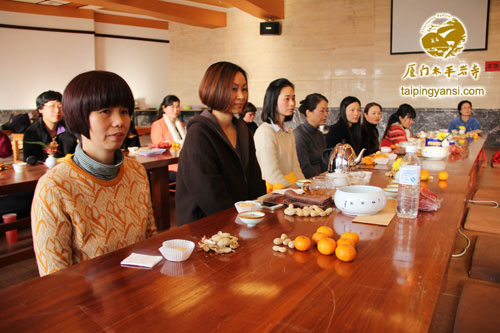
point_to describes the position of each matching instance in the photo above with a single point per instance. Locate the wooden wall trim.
(133, 21)
(27, 8)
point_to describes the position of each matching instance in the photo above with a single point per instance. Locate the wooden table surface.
(392, 286)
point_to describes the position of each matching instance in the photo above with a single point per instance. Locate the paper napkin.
(141, 260)
(384, 217)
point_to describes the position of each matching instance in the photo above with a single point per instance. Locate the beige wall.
(336, 48)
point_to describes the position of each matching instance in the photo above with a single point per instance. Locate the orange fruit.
(424, 174)
(442, 184)
(345, 252)
(326, 246)
(317, 236)
(351, 235)
(326, 230)
(302, 243)
(347, 241)
(443, 175)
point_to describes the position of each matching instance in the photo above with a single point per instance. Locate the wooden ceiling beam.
(264, 9)
(28, 8)
(133, 21)
(164, 10)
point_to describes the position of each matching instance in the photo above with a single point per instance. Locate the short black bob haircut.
(269, 111)
(47, 96)
(249, 108)
(92, 91)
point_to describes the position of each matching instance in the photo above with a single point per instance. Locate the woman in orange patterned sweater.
(97, 201)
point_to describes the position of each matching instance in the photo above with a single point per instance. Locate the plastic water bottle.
(409, 184)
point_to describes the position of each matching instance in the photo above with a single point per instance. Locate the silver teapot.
(343, 158)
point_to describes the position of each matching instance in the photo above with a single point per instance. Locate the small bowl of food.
(177, 249)
(19, 167)
(248, 205)
(251, 218)
(133, 150)
(434, 152)
(386, 149)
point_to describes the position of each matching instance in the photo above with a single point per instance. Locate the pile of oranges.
(176, 146)
(344, 248)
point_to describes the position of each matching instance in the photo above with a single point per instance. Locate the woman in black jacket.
(348, 127)
(369, 133)
(217, 164)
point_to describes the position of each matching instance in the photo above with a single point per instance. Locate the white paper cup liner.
(171, 249)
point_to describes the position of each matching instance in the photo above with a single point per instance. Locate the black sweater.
(369, 138)
(39, 132)
(212, 175)
(310, 144)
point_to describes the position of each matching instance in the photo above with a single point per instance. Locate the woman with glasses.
(309, 140)
(50, 126)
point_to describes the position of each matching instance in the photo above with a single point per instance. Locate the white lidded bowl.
(386, 149)
(360, 199)
(435, 153)
(251, 218)
(248, 205)
(177, 249)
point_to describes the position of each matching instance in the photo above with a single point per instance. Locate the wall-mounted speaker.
(270, 28)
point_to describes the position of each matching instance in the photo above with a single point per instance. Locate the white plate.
(282, 191)
(153, 151)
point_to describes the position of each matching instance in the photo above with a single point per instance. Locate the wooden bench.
(483, 218)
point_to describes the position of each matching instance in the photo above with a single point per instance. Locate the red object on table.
(11, 235)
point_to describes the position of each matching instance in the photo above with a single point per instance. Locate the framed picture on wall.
(444, 26)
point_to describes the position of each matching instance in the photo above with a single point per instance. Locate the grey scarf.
(97, 169)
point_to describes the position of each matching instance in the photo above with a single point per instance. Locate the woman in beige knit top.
(97, 201)
(274, 142)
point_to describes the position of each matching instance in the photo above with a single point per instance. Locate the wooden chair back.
(17, 146)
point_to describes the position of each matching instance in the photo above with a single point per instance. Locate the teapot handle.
(325, 156)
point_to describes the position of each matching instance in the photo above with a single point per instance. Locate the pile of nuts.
(312, 211)
(283, 240)
(220, 243)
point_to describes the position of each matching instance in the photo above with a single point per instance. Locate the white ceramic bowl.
(133, 150)
(381, 160)
(19, 167)
(248, 205)
(177, 249)
(360, 199)
(251, 218)
(434, 153)
(386, 149)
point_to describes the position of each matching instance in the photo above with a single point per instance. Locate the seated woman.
(310, 142)
(168, 127)
(248, 115)
(132, 138)
(49, 127)
(465, 119)
(217, 165)
(398, 126)
(274, 142)
(348, 127)
(97, 201)
(369, 132)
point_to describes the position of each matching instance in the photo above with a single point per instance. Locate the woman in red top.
(398, 127)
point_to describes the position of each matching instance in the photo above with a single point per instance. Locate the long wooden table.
(392, 286)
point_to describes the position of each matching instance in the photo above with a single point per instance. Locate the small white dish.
(434, 153)
(381, 160)
(19, 167)
(133, 150)
(245, 206)
(177, 249)
(151, 151)
(301, 182)
(251, 218)
(386, 149)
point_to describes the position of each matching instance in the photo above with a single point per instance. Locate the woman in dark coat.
(369, 132)
(348, 127)
(217, 164)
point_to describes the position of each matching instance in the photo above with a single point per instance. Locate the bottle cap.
(411, 149)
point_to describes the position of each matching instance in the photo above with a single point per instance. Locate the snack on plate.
(368, 160)
(161, 145)
(220, 243)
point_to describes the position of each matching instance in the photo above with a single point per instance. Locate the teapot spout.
(360, 156)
